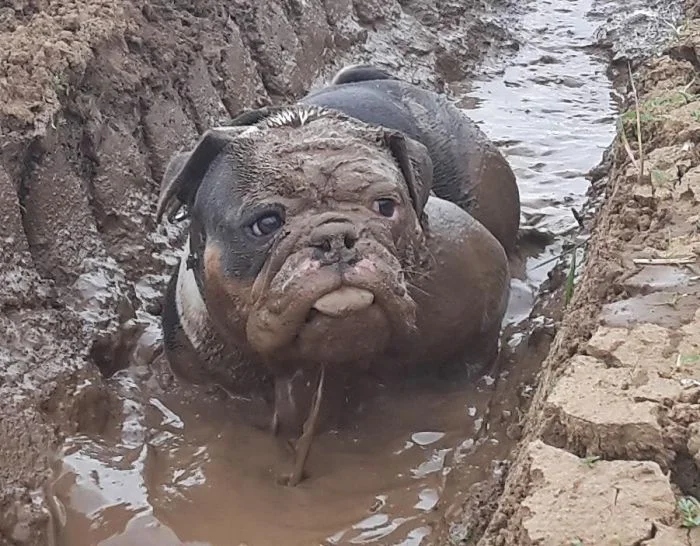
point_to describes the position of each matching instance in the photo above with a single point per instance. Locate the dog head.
(305, 233)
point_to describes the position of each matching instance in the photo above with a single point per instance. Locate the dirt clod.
(595, 504)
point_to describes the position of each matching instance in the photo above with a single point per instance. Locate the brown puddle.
(180, 466)
(188, 469)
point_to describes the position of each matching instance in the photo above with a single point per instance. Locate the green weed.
(590, 461)
(570, 277)
(690, 359)
(653, 110)
(661, 178)
(689, 507)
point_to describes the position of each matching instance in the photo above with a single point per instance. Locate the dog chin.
(355, 338)
(311, 313)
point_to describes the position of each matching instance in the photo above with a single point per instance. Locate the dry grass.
(637, 162)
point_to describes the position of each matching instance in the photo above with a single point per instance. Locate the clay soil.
(95, 96)
(611, 448)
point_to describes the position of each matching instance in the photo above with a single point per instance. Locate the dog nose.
(334, 238)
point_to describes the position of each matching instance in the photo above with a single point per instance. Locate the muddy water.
(551, 111)
(180, 467)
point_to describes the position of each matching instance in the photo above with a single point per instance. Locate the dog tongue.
(344, 301)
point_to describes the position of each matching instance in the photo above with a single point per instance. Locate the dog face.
(306, 231)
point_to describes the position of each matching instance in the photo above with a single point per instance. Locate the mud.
(96, 96)
(609, 445)
(98, 443)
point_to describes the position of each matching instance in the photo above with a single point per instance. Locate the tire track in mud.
(96, 97)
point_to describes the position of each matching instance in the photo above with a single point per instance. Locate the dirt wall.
(610, 449)
(94, 97)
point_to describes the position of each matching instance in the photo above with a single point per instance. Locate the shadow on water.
(179, 467)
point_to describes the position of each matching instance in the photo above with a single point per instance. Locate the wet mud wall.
(94, 98)
(611, 446)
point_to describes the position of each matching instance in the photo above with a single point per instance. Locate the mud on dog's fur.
(355, 235)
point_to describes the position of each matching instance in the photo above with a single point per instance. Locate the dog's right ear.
(185, 170)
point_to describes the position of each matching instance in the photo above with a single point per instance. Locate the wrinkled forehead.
(320, 159)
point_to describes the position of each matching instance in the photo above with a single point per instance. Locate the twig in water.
(560, 256)
(303, 444)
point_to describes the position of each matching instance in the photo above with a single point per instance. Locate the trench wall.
(611, 443)
(94, 98)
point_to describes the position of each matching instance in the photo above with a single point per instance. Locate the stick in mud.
(639, 165)
(303, 444)
(681, 260)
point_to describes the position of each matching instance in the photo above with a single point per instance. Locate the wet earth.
(176, 464)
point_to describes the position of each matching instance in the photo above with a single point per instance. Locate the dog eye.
(266, 224)
(385, 207)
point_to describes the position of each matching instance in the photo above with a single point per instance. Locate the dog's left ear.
(185, 170)
(416, 166)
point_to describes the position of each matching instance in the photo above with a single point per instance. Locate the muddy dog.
(363, 230)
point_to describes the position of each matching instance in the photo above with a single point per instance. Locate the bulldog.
(363, 231)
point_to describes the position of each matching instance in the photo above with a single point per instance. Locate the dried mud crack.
(610, 443)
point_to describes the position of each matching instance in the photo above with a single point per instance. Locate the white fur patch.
(191, 309)
(296, 116)
(250, 130)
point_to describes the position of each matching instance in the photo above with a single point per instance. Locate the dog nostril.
(334, 236)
